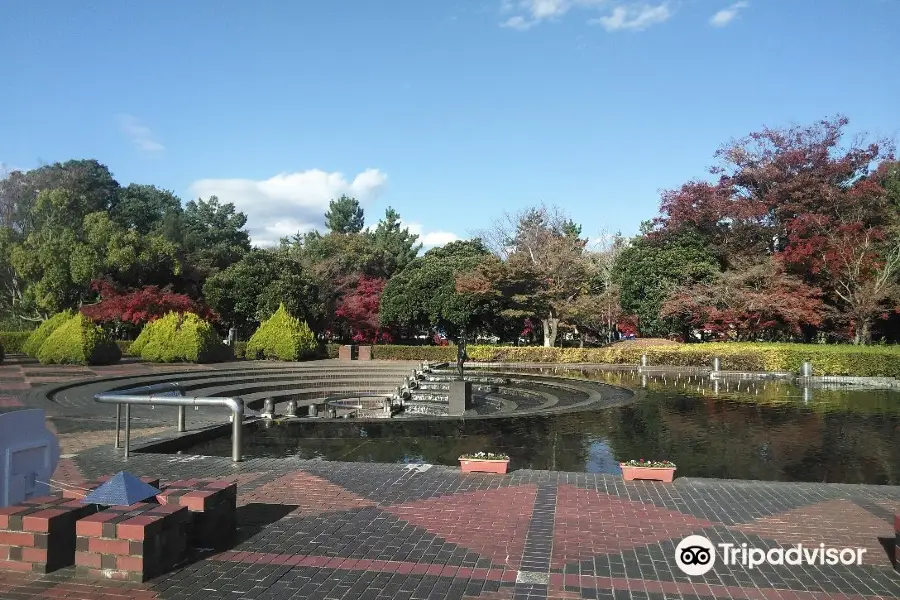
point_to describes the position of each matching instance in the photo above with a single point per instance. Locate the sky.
(451, 111)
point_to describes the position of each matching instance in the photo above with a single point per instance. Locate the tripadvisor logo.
(696, 555)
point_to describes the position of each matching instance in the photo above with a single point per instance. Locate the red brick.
(40, 500)
(220, 484)
(16, 538)
(130, 563)
(40, 521)
(103, 546)
(34, 555)
(87, 559)
(165, 509)
(92, 525)
(135, 527)
(7, 511)
(196, 500)
(11, 565)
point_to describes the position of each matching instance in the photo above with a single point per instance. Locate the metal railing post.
(118, 424)
(129, 397)
(127, 428)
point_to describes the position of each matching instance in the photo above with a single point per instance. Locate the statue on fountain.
(461, 356)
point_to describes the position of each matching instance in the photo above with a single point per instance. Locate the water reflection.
(741, 429)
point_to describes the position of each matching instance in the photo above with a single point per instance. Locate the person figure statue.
(461, 356)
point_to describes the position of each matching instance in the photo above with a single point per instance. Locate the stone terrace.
(312, 529)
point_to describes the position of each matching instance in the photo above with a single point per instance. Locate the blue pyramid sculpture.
(123, 489)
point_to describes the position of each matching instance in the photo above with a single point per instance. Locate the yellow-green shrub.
(13, 341)
(79, 341)
(180, 338)
(282, 337)
(36, 339)
(870, 361)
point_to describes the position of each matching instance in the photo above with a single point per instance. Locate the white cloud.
(296, 202)
(624, 15)
(431, 239)
(139, 134)
(636, 18)
(727, 15)
(289, 202)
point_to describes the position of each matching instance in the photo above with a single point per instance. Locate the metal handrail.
(133, 396)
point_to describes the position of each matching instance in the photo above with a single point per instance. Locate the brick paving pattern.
(313, 529)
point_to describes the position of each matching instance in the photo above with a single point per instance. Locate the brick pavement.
(313, 529)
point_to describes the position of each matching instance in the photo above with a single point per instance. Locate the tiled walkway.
(313, 529)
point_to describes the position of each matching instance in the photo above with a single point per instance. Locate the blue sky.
(450, 111)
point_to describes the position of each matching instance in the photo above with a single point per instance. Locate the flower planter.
(480, 465)
(666, 474)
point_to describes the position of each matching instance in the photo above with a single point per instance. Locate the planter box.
(477, 465)
(666, 474)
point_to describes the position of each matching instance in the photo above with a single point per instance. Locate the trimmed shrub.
(861, 361)
(13, 341)
(2, 354)
(180, 338)
(33, 344)
(240, 349)
(79, 341)
(282, 337)
(125, 347)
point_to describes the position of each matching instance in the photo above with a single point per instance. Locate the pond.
(766, 430)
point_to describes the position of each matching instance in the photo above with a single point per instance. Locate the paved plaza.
(316, 529)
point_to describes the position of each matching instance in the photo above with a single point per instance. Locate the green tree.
(394, 246)
(652, 266)
(145, 208)
(57, 260)
(214, 236)
(273, 277)
(424, 294)
(344, 215)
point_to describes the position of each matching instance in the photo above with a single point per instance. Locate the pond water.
(764, 430)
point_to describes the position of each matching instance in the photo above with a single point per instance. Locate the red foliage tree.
(138, 307)
(819, 208)
(756, 302)
(358, 308)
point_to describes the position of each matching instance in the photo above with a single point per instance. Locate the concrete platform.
(313, 529)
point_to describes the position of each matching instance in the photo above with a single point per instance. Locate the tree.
(141, 306)
(605, 292)
(651, 267)
(425, 293)
(250, 290)
(214, 235)
(146, 208)
(540, 247)
(359, 309)
(751, 303)
(89, 184)
(344, 215)
(58, 259)
(393, 247)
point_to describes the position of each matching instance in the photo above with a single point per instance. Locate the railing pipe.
(236, 405)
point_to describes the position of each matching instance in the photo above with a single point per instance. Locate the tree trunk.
(863, 333)
(550, 329)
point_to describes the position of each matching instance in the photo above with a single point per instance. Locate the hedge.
(36, 339)
(79, 341)
(282, 337)
(12, 341)
(2, 353)
(180, 338)
(862, 361)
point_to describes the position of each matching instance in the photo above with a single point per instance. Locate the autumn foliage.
(142, 306)
(358, 308)
(813, 220)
